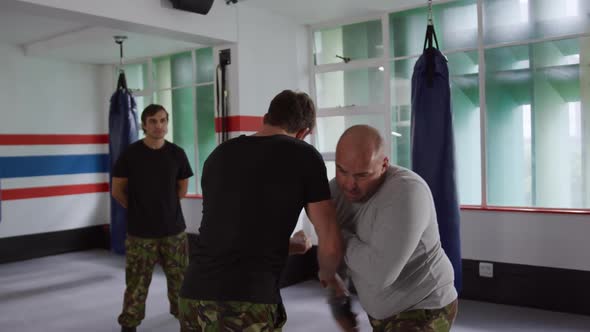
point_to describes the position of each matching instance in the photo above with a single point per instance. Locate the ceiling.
(97, 46)
(316, 11)
(18, 28)
(79, 42)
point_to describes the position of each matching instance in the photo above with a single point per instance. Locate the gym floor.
(83, 292)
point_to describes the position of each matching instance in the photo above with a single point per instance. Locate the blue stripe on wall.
(14, 167)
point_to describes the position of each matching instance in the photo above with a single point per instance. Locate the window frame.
(386, 60)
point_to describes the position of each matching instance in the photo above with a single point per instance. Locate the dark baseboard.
(24, 247)
(529, 286)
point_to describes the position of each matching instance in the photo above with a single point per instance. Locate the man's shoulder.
(175, 150)
(295, 142)
(398, 174)
(304, 147)
(174, 147)
(285, 142)
(400, 180)
(134, 147)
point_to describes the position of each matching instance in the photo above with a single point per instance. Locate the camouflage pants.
(142, 255)
(231, 316)
(421, 320)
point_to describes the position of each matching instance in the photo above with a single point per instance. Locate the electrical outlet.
(486, 270)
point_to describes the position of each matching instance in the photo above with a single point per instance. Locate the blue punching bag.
(122, 132)
(433, 147)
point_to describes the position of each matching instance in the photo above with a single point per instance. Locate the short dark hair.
(291, 111)
(150, 110)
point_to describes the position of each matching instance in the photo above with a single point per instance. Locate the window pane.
(164, 98)
(455, 25)
(184, 126)
(509, 136)
(205, 65)
(136, 76)
(536, 145)
(401, 111)
(356, 41)
(464, 81)
(162, 73)
(557, 143)
(207, 139)
(517, 20)
(359, 87)
(141, 103)
(401, 153)
(182, 69)
(329, 129)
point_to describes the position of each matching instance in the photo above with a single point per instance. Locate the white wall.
(46, 96)
(538, 239)
(269, 49)
(40, 215)
(42, 96)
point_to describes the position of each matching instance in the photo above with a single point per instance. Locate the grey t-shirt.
(393, 250)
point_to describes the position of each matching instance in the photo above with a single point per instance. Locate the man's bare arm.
(323, 217)
(119, 190)
(182, 188)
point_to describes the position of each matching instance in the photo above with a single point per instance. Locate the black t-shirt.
(153, 205)
(254, 189)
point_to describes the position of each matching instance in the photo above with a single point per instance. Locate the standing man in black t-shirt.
(149, 179)
(254, 188)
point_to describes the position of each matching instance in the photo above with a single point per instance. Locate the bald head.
(361, 141)
(361, 163)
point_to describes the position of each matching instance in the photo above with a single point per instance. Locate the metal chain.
(430, 20)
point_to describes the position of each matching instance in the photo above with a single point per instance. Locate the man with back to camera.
(393, 253)
(254, 188)
(149, 179)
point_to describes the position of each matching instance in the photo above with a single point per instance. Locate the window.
(357, 87)
(183, 84)
(535, 84)
(456, 28)
(356, 41)
(522, 20)
(455, 24)
(534, 124)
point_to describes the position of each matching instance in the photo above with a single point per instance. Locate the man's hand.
(299, 243)
(348, 324)
(340, 304)
(343, 314)
(335, 284)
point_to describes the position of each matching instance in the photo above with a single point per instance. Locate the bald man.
(393, 254)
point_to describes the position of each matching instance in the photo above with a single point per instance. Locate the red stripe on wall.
(49, 139)
(39, 192)
(240, 123)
